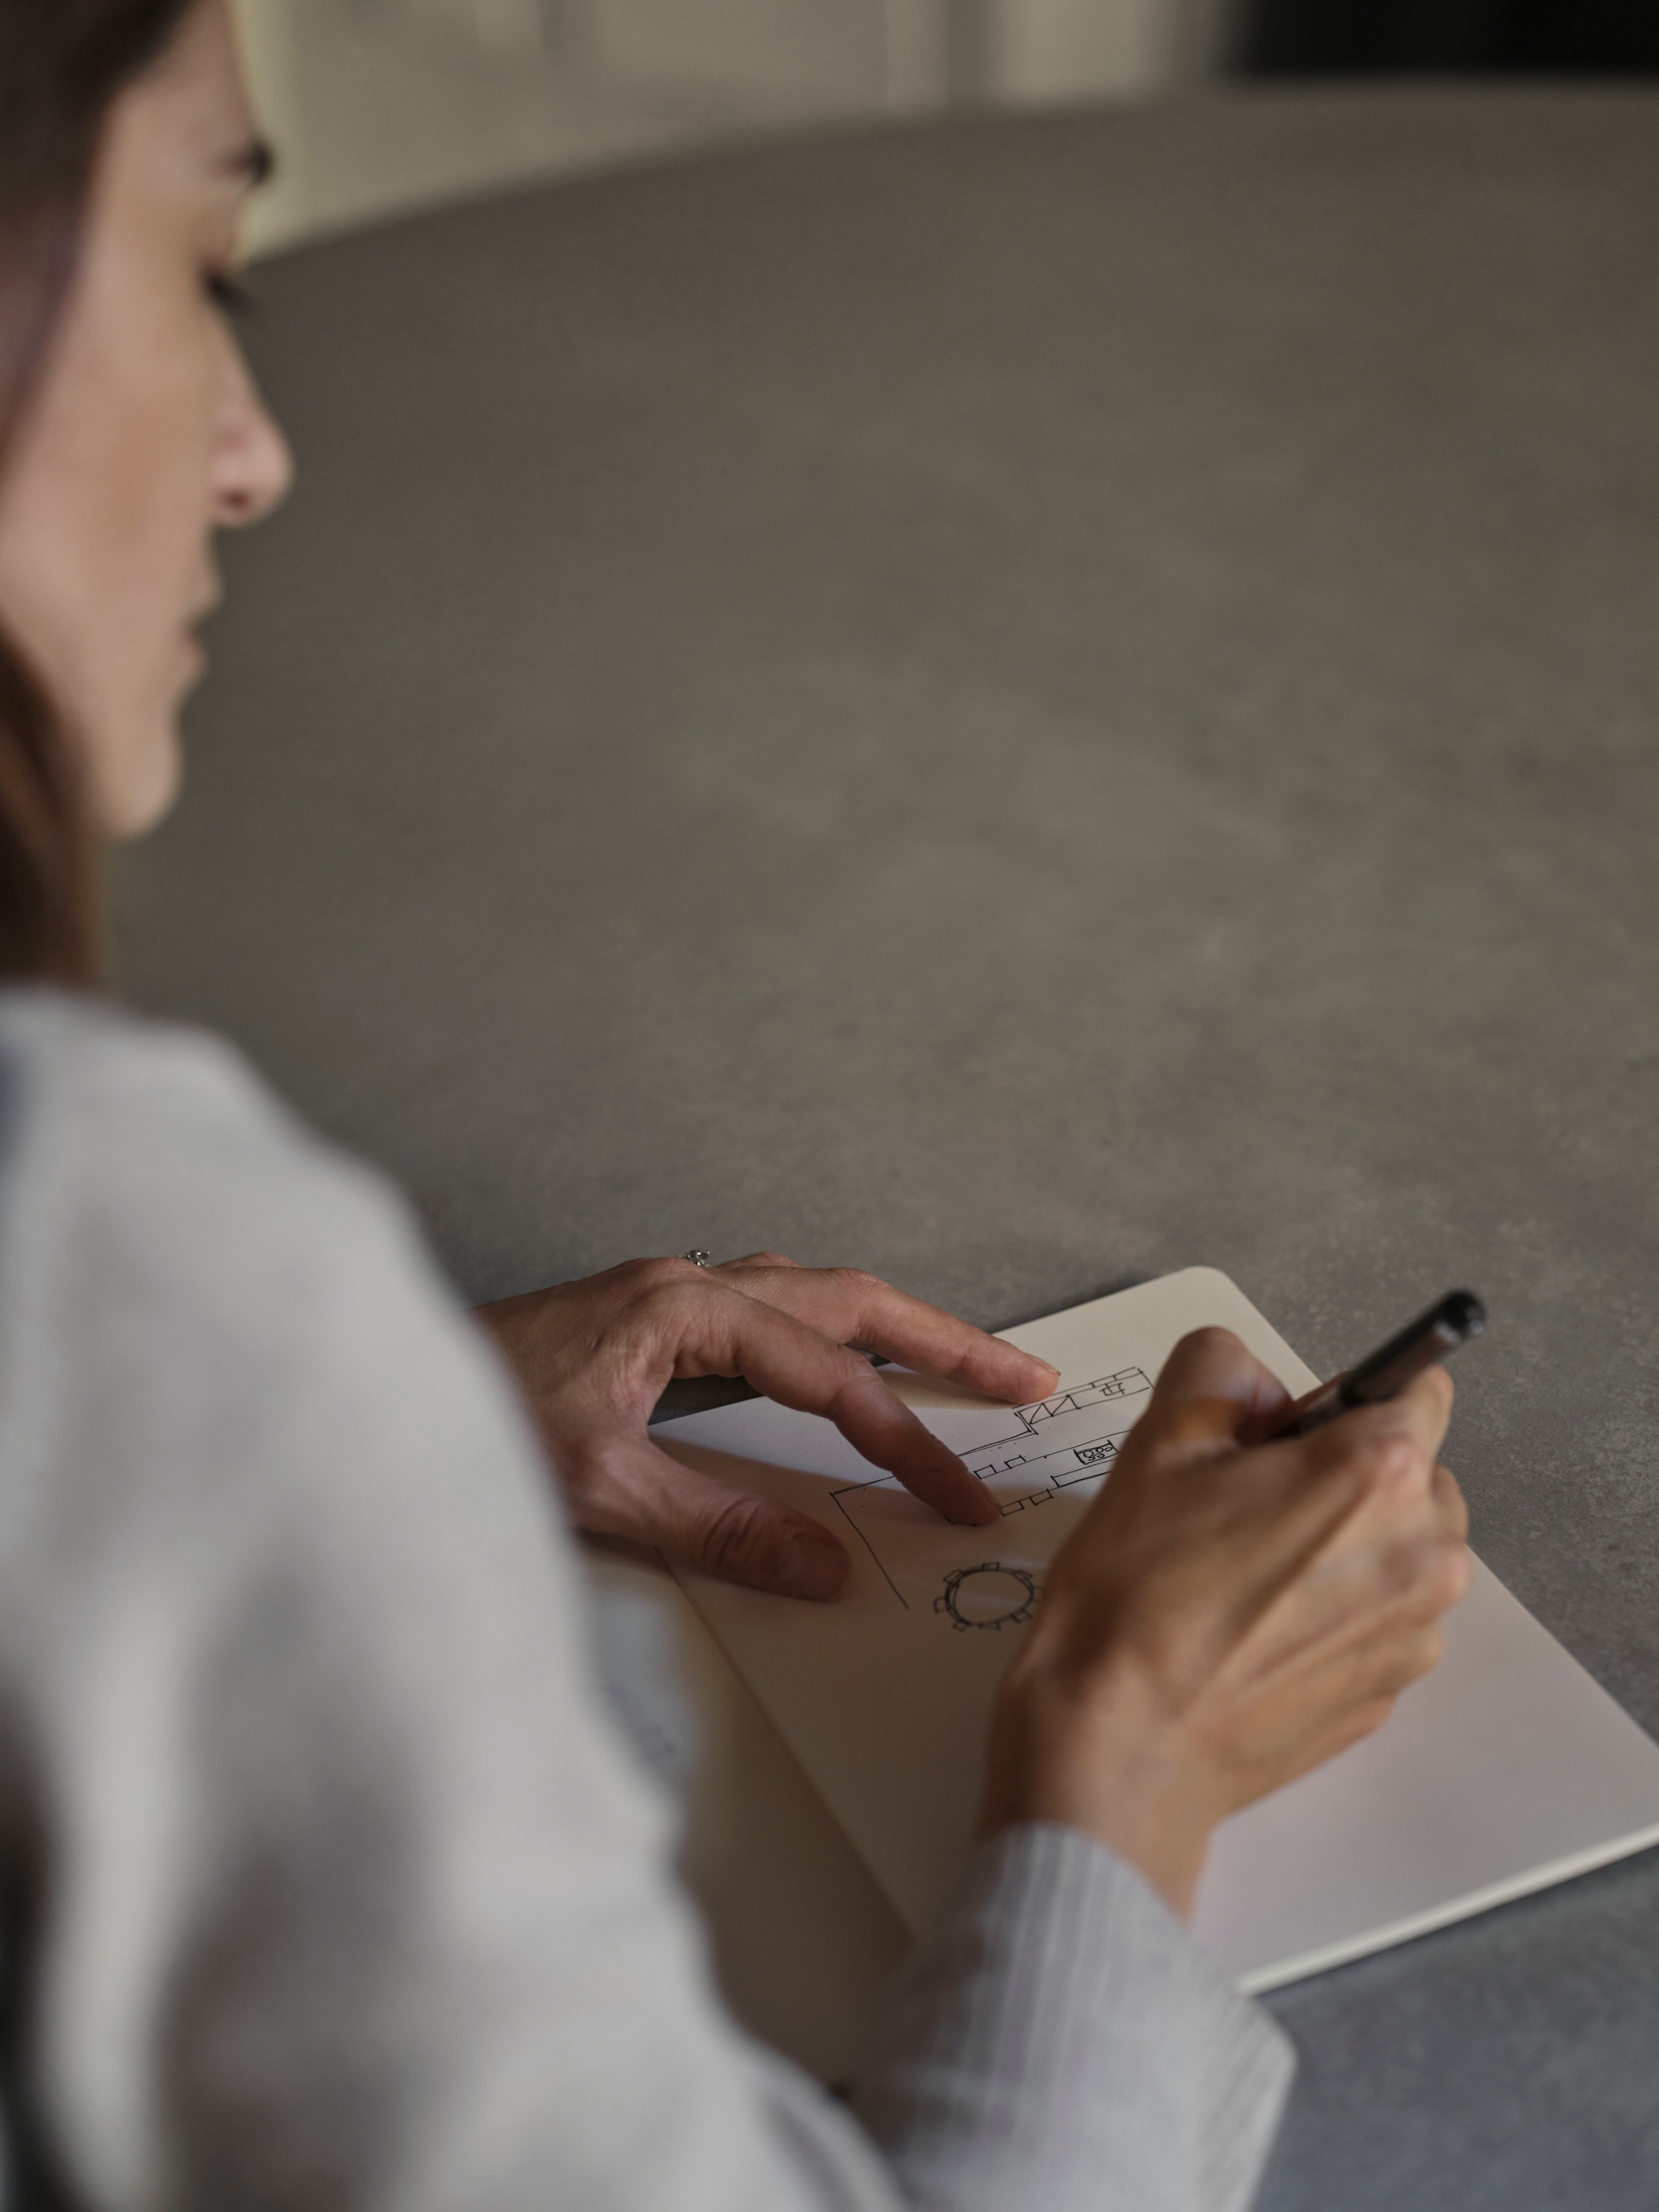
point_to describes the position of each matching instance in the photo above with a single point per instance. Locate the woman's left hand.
(593, 1359)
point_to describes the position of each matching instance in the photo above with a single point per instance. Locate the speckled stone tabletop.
(1025, 703)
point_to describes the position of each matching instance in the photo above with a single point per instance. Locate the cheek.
(104, 534)
(144, 505)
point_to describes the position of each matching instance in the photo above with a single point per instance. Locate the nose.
(252, 467)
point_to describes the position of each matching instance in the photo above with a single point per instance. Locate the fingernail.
(813, 1567)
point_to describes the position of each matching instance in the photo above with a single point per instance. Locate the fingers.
(727, 1332)
(1212, 1393)
(854, 1308)
(592, 1358)
(1369, 1593)
(1388, 1636)
(1449, 1505)
(625, 1487)
(1265, 1605)
(1420, 1415)
(1397, 1510)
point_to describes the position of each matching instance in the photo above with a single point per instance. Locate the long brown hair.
(62, 64)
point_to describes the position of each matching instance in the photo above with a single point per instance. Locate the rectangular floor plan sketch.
(1062, 1445)
(1066, 1439)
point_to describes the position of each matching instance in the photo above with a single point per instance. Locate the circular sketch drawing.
(987, 1596)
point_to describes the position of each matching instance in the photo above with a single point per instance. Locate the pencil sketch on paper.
(989, 1595)
(1061, 1445)
(1070, 1439)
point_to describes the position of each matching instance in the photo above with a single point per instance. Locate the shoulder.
(138, 1145)
(115, 1100)
(211, 1320)
(190, 1277)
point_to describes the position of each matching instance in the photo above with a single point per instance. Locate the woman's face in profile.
(145, 434)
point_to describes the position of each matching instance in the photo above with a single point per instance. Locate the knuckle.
(1352, 1461)
(1213, 1338)
(1450, 1575)
(853, 1381)
(662, 1301)
(1410, 1656)
(1387, 1462)
(859, 1280)
(663, 1313)
(1423, 1655)
(1400, 1459)
(1371, 1715)
(1452, 1505)
(1401, 1587)
(655, 1274)
(1212, 1342)
(1429, 1574)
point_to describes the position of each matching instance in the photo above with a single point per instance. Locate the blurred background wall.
(384, 104)
(381, 104)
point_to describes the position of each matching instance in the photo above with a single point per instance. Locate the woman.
(325, 1880)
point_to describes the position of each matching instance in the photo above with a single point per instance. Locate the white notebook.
(1507, 1769)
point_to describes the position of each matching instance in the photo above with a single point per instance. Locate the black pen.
(1458, 1316)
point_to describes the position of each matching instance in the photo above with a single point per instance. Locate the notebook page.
(1509, 1768)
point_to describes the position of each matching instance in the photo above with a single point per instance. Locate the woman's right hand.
(1227, 1614)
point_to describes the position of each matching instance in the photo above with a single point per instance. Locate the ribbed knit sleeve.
(1061, 2041)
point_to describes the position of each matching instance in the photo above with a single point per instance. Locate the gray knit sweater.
(326, 1883)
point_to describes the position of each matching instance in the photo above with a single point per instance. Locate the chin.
(144, 784)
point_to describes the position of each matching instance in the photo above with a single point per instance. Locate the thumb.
(644, 1495)
(1212, 1395)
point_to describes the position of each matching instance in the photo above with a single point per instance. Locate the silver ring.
(698, 1258)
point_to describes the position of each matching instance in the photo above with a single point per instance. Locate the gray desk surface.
(1025, 703)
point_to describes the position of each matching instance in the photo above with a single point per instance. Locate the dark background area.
(1296, 38)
